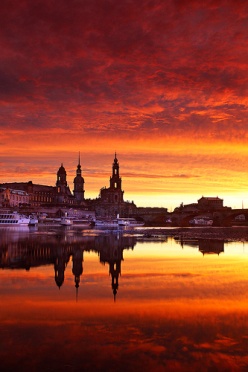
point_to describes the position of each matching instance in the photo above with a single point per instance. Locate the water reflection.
(182, 304)
(205, 246)
(19, 249)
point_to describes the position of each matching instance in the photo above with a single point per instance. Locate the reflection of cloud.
(147, 275)
(125, 340)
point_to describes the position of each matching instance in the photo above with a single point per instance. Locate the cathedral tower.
(79, 183)
(115, 180)
(111, 200)
(61, 183)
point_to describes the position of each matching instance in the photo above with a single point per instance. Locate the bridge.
(223, 217)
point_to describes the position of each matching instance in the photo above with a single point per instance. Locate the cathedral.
(48, 196)
(109, 204)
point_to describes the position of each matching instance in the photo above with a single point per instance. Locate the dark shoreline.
(237, 233)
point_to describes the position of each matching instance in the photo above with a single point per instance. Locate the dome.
(61, 169)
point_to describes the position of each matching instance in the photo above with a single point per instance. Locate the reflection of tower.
(79, 183)
(59, 267)
(115, 271)
(77, 266)
(61, 180)
(112, 253)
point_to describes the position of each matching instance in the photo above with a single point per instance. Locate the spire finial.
(115, 154)
(79, 158)
(76, 294)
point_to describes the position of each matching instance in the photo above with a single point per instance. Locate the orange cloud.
(142, 79)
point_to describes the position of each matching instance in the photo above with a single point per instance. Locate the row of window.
(8, 221)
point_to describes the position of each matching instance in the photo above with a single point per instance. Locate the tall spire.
(79, 182)
(76, 293)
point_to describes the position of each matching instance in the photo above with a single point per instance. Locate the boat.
(129, 222)
(13, 219)
(118, 222)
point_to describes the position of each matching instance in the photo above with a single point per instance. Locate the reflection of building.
(77, 266)
(211, 246)
(60, 263)
(206, 246)
(113, 255)
(20, 250)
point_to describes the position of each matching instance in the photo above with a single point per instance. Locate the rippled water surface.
(92, 300)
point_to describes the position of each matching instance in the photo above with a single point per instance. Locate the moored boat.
(13, 219)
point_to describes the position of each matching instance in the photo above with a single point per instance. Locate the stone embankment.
(220, 233)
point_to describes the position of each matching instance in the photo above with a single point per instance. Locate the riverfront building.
(43, 195)
(210, 203)
(59, 197)
(110, 202)
(12, 197)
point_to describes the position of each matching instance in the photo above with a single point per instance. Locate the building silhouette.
(79, 183)
(109, 203)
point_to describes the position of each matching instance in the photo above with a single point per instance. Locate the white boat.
(13, 219)
(129, 222)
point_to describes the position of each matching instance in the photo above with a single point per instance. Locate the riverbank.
(238, 233)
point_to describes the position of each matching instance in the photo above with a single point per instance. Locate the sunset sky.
(162, 83)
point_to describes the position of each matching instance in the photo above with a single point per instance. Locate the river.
(92, 300)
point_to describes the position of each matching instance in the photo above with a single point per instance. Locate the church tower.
(79, 183)
(61, 183)
(115, 180)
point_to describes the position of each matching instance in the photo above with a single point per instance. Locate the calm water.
(94, 301)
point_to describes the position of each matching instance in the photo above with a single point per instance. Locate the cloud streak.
(128, 74)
